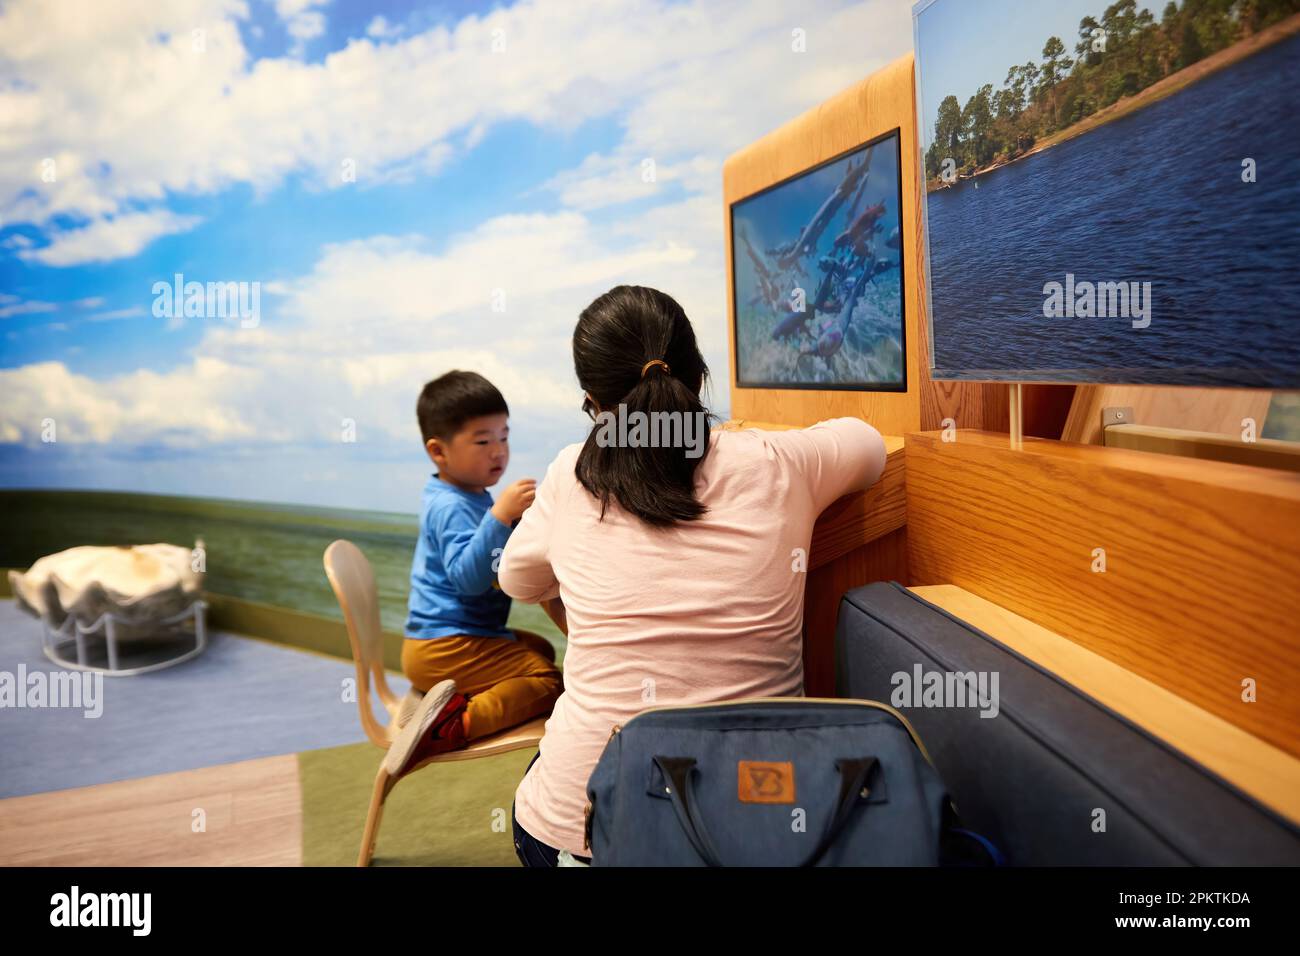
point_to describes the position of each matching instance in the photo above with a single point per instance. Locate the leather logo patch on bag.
(763, 782)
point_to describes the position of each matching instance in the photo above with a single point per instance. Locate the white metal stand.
(107, 626)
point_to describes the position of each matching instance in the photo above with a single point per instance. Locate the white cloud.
(288, 9)
(373, 320)
(301, 21)
(689, 83)
(11, 305)
(729, 75)
(117, 237)
(394, 284)
(605, 180)
(381, 29)
(132, 312)
(184, 410)
(357, 334)
(98, 100)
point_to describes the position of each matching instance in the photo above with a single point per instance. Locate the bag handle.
(681, 771)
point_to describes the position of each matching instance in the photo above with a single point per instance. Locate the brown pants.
(507, 682)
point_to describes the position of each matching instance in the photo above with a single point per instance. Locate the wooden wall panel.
(884, 559)
(1202, 581)
(876, 105)
(1199, 409)
(863, 516)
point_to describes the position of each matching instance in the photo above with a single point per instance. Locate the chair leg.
(383, 787)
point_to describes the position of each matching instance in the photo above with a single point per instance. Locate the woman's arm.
(554, 609)
(525, 571)
(835, 456)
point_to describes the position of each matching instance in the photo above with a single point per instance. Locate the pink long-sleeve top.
(706, 611)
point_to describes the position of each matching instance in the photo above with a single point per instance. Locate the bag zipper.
(848, 701)
(590, 808)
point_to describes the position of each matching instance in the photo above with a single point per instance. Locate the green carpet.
(448, 814)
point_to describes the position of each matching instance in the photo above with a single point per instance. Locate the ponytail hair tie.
(646, 366)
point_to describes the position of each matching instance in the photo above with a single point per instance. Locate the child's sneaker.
(436, 727)
(410, 704)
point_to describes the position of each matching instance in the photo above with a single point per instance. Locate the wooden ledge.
(1200, 471)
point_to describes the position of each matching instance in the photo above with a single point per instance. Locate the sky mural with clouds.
(413, 186)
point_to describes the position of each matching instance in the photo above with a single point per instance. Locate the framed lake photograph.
(1112, 191)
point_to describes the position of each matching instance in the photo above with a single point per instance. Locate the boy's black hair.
(450, 400)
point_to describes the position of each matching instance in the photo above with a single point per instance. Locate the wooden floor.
(252, 814)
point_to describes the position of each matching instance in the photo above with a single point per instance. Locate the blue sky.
(496, 148)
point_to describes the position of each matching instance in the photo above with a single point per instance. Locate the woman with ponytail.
(678, 552)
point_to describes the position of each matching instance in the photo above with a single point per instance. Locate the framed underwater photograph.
(818, 276)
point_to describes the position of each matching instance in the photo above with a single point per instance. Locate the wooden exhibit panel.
(860, 538)
(253, 817)
(1046, 407)
(1201, 584)
(884, 559)
(863, 516)
(1218, 410)
(1270, 775)
(1264, 452)
(873, 107)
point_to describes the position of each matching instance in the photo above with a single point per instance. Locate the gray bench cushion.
(1032, 777)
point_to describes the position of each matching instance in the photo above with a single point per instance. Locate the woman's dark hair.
(615, 337)
(449, 401)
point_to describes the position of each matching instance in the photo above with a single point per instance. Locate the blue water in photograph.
(833, 233)
(1156, 196)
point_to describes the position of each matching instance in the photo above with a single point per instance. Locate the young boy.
(477, 677)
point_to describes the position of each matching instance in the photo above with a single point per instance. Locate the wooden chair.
(353, 582)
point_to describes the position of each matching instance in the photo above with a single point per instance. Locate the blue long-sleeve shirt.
(453, 577)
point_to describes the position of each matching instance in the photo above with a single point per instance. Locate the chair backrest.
(353, 582)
